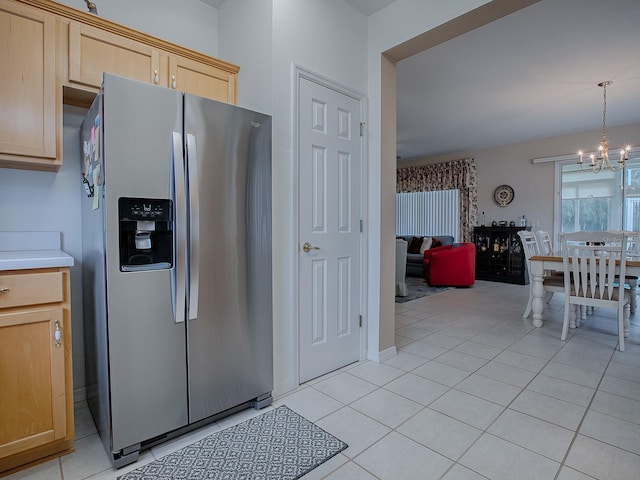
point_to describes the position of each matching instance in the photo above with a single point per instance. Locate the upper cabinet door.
(93, 51)
(201, 79)
(29, 122)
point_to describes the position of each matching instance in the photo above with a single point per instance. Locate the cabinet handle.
(57, 335)
(173, 81)
(156, 78)
(4, 290)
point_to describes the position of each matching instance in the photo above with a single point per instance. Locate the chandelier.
(602, 160)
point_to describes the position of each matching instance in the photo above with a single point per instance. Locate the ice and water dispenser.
(146, 234)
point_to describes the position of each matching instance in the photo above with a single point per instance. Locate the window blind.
(428, 213)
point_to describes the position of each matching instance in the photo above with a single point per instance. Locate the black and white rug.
(277, 445)
(417, 287)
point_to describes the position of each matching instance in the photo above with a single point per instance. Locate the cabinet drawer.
(30, 289)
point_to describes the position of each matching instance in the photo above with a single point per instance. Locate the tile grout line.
(561, 464)
(586, 411)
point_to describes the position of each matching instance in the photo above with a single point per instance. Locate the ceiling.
(532, 74)
(367, 7)
(529, 75)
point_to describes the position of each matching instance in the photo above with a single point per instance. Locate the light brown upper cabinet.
(51, 52)
(31, 96)
(93, 51)
(201, 79)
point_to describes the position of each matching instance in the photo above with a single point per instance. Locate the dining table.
(542, 264)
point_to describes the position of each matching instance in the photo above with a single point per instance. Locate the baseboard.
(383, 355)
(79, 394)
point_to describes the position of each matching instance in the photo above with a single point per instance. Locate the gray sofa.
(414, 260)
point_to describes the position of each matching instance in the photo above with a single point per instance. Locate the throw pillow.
(426, 244)
(436, 243)
(414, 246)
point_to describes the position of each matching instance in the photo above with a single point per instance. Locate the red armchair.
(451, 265)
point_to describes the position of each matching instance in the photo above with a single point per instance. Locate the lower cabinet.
(499, 255)
(36, 399)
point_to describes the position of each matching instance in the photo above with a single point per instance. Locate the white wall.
(189, 23)
(42, 201)
(400, 21)
(533, 184)
(327, 37)
(245, 39)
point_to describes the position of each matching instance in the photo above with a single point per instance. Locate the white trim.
(383, 355)
(299, 73)
(79, 394)
(574, 156)
(557, 158)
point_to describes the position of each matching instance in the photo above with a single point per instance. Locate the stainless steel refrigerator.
(176, 220)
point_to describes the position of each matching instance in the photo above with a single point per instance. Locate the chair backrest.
(544, 242)
(633, 241)
(530, 247)
(589, 261)
(401, 259)
(529, 243)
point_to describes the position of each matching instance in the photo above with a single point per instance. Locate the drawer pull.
(173, 81)
(57, 335)
(4, 290)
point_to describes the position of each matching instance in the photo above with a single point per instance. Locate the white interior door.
(329, 229)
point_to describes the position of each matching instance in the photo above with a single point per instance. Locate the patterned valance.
(458, 174)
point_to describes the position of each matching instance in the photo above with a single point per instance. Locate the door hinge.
(361, 225)
(362, 124)
(360, 321)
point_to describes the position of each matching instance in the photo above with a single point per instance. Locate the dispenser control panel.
(146, 234)
(144, 209)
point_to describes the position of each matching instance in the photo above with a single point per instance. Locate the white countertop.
(27, 250)
(24, 259)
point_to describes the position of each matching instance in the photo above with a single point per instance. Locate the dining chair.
(550, 283)
(544, 242)
(545, 246)
(593, 263)
(633, 250)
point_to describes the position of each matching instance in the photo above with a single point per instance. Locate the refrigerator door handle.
(194, 223)
(180, 201)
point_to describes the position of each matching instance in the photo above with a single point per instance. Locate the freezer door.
(229, 331)
(147, 348)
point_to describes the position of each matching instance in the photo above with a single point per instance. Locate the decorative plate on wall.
(503, 195)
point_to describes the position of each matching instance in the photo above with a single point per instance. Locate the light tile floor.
(475, 392)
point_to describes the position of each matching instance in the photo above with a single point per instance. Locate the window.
(428, 213)
(603, 201)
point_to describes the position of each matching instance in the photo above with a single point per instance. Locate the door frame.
(299, 73)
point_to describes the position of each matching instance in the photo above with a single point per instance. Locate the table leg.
(632, 292)
(537, 303)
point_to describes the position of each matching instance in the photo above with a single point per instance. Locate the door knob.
(307, 247)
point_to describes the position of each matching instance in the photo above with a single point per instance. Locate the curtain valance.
(457, 174)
